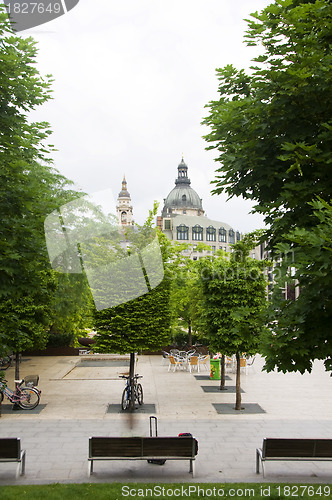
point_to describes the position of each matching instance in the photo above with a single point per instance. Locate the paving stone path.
(81, 398)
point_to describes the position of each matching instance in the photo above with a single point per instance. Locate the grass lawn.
(113, 491)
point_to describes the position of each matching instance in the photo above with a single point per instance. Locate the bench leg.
(90, 467)
(191, 467)
(257, 461)
(259, 458)
(23, 463)
(18, 470)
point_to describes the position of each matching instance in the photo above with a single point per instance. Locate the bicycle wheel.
(139, 390)
(29, 398)
(1, 397)
(125, 399)
(5, 362)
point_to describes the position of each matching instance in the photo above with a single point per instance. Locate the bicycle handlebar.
(128, 376)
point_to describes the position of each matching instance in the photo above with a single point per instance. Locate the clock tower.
(124, 208)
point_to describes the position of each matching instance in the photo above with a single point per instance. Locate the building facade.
(124, 209)
(183, 219)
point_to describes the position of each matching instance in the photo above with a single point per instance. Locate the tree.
(272, 128)
(234, 289)
(71, 307)
(300, 330)
(273, 132)
(142, 322)
(29, 189)
(185, 290)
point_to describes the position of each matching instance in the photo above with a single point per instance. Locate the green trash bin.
(215, 369)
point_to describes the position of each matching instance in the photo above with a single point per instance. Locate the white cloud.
(131, 82)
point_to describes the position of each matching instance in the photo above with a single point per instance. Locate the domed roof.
(124, 193)
(182, 196)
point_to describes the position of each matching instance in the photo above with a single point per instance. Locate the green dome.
(183, 196)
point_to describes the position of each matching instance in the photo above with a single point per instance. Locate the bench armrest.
(259, 457)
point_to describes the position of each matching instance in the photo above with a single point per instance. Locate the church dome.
(182, 196)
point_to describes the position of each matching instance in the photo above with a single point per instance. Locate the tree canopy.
(142, 322)
(272, 127)
(300, 330)
(29, 189)
(234, 293)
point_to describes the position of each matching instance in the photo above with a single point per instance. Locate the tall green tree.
(29, 189)
(272, 129)
(142, 322)
(234, 291)
(300, 330)
(185, 296)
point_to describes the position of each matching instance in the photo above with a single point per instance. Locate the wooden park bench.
(142, 448)
(293, 449)
(10, 451)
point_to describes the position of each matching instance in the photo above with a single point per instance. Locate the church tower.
(124, 208)
(183, 199)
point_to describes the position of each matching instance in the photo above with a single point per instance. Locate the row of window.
(182, 233)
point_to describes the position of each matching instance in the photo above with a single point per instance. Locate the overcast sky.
(131, 82)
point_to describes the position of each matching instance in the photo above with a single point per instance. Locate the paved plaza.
(81, 398)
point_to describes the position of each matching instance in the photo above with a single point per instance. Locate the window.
(238, 236)
(210, 233)
(184, 198)
(231, 236)
(182, 232)
(167, 224)
(213, 249)
(222, 234)
(197, 233)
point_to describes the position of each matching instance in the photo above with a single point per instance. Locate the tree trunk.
(17, 366)
(131, 381)
(222, 373)
(238, 382)
(190, 336)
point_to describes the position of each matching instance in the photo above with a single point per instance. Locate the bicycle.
(127, 396)
(26, 398)
(6, 362)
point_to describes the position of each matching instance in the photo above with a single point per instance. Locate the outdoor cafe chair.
(165, 356)
(204, 360)
(193, 362)
(229, 362)
(243, 364)
(175, 362)
(190, 353)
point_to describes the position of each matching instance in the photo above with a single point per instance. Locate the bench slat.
(141, 447)
(323, 448)
(168, 446)
(10, 448)
(115, 447)
(297, 448)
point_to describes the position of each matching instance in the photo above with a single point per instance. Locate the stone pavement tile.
(57, 439)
